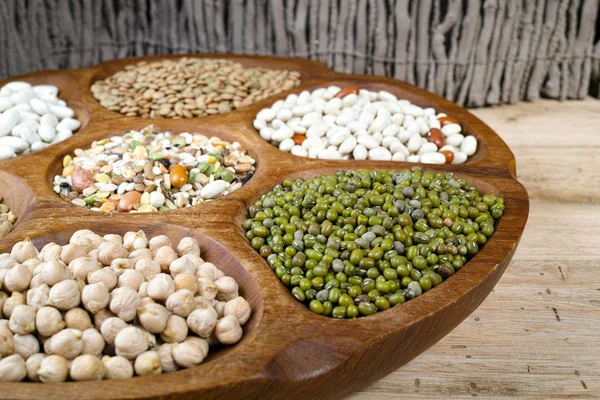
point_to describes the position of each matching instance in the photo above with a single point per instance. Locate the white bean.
(469, 145)
(433, 158)
(428, 147)
(380, 153)
(413, 158)
(299, 151)
(39, 106)
(266, 114)
(266, 133)
(68, 124)
(286, 145)
(459, 157)
(451, 129)
(7, 152)
(8, 119)
(302, 110)
(47, 133)
(360, 152)
(455, 140)
(16, 143)
(45, 90)
(348, 145)
(399, 157)
(414, 143)
(284, 114)
(5, 103)
(368, 141)
(17, 86)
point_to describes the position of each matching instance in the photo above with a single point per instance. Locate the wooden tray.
(287, 351)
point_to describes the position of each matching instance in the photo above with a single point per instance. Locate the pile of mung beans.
(112, 306)
(358, 242)
(149, 171)
(189, 87)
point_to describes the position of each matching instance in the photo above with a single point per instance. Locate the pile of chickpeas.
(110, 307)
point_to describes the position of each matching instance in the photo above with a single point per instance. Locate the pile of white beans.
(109, 307)
(32, 118)
(339, 124)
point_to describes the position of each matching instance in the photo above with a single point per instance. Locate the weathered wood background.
(537, 335)
(474, 52)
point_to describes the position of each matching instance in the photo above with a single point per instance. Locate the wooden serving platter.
(287, 351)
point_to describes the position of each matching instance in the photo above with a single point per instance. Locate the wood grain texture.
(536, 335)
(287, 350)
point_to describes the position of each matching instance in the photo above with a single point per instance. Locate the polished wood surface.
(536, 335)
(287, 350)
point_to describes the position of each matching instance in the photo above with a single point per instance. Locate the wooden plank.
(536, 336)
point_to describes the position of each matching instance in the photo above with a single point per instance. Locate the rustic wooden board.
(536, 336)
(287, 350)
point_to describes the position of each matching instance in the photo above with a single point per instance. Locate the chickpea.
(238, 307)
(12, 369)
(157, 242)
(228, 330)
(131, 278)
(228, 288)
(67, 343)
(17, 278)
(176, 329)
(71, 252)
(182, 266)
(153, 317)
(148, 363)
(32, 365)
(165, 256)
(124, 302)
(135, 240)
(22, 320)
(53, 368)
(64, 295)
(49, 321)
(188, 245)
(93, 342)
(95, 297)
(26, 345)
(160, 287)
(23, 251)
(148, 267)
(111, 327)
(191, 352)
(82, 267)
(104, 275)
(78, 318)
(167, 363)
(202, 321)
(117, 367)
(131, 342)
(38, 297)
(86, 367)
(188, 282)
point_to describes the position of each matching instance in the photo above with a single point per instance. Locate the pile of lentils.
(110, 307)
(32, 118)
(7, 219)
(339, 124)
(148, 171)
(359, 242)
(189, 87)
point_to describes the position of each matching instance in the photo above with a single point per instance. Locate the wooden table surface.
(537, 335)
